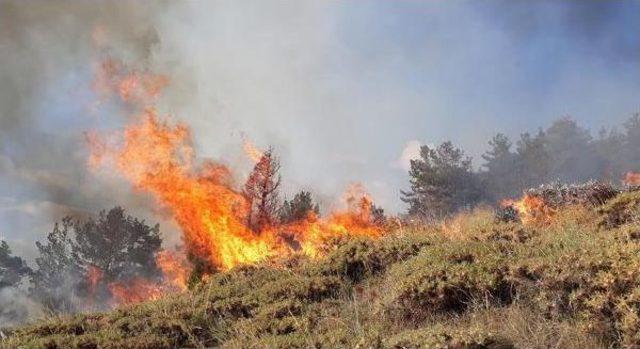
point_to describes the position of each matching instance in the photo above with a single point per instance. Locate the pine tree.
(298, 208)
(12, 268)
(261, 190)
(571, 149)
(631, 143)
(56, 277)
(120, 246)
(610, 148)
(534, 162)
(81, 256)
(442, 182)
(500, 162)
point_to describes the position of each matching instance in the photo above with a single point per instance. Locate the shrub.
(439, 337)
(623, 209)
(359, 258)
(445, 277)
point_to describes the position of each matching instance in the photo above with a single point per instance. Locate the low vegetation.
(474, 281)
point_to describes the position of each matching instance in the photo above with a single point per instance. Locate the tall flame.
(157, 157)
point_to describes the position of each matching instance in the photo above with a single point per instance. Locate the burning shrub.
(590, 193)
(507, 213)
(539, 204)
(261, 191)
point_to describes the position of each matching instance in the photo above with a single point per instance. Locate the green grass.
(468, 283)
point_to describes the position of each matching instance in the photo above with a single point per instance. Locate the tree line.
(443, 180)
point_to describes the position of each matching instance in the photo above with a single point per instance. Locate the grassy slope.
(470, 283)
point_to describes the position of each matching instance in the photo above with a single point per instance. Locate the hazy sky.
(345, 91)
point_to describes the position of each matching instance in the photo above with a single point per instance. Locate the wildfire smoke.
(157, 157)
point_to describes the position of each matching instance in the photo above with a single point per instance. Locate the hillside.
(570, 280)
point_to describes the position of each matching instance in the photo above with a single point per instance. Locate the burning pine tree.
(222, 226)
(261, 191)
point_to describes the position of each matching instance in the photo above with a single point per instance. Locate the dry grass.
(468, 283)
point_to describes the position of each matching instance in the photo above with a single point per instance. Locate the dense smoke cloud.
(48, 51)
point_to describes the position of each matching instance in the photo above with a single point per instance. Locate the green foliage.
(446, 277)
(12, 268)
(565, 152)
(121, 247)
(54, 280)
(298, 208)
(499, 164)
(571, 149)
(442, 182)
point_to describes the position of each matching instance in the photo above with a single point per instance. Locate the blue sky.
(339, 88)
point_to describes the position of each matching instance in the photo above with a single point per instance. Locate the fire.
(157, 157)
(175, 269)
(355, 220)
(250, 149)
(94, 275)
(531, 209)
(631, 178)
(135, 291)
(112, 77)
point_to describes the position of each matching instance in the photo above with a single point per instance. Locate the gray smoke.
(16, 307)
(48, 49)
(337, 88)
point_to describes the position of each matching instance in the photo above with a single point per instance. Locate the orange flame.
(250, 149)
(135, 291)
(174, 268)
(158, 158)
(94, 275)
(531, 209)
(175, 273)
(112, 77)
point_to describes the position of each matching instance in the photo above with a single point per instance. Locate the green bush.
(445, 277)
(360, 258)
